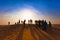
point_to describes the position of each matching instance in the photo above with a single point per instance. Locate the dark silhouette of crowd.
(40, 23)
(43, 24)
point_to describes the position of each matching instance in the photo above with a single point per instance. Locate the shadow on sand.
(32, 32)
(19, 37)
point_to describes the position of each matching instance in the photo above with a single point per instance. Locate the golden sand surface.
(29, 32)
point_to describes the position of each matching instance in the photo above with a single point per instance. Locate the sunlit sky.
(13, 10)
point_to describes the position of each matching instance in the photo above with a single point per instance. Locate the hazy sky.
(49, 9)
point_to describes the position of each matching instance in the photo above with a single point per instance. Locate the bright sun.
(26, 14)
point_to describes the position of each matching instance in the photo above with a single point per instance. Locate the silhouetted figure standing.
(44, 25)
(35, 22)
(30, 21)
(8, 23)
(19, 21)
(50, 26)
(39, 23)
(24, 23)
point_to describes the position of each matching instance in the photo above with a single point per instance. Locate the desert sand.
(28, 32)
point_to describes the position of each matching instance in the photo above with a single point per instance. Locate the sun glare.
(27, 14)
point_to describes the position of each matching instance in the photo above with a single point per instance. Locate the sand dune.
(28, 32)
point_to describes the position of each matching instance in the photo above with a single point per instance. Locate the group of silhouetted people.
(40, 23)
(43, 24)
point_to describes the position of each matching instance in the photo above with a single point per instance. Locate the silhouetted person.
(39, 23)
(50, 26)
(44, 25)
(19, 21)
(24, 23)
(30, 21)
(8, 23)
(36, 22)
